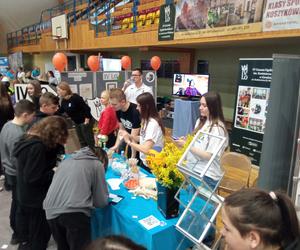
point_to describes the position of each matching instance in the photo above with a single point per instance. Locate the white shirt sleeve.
(153, 132)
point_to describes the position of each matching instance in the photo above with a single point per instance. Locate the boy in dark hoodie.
(78, 186)
(35, 162)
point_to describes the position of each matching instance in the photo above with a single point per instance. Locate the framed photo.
(111, 85)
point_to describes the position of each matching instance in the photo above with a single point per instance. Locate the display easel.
(201, 202)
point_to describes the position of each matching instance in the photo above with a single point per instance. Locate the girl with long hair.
(256, 219)
(36, 156)
(6, 107)
(211, 121)
(152, 130)
(34, 91)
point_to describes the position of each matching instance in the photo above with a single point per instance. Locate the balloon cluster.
(126, 62)
(60, 62)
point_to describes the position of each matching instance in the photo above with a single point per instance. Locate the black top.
(76, 109)
(6, 114)
(36, 102)
(130, 119)
(34, 162)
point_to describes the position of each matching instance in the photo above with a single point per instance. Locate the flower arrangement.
(163, 164)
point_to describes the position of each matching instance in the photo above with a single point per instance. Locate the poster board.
(21, 91)
(281, 15)
(198, 18)
(251, 107)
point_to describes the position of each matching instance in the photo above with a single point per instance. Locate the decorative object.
(126, 62)
(60, 61)
(169, 179)
(93, 63)
(163, 164)
(102, 139)
(155, 62)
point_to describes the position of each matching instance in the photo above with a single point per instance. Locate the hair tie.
(273, 196)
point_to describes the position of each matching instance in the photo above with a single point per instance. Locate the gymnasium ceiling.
(15, 14)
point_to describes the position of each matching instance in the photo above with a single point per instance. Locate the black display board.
(252, 98)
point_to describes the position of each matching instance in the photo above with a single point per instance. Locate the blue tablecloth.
(122, 219)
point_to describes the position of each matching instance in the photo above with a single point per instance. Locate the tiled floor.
(5, 230)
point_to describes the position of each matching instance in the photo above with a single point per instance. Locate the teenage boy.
(10, 134)
(128, 116)
(49, 104)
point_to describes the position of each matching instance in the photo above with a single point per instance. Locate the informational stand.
(90, 84)
(252, 99)
(198, 219)
(186, 113)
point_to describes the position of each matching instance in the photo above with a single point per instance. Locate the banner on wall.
(166, 22)
(202, 18)
(251, 107)
(15, 60)
(281, 15)
(21, 91)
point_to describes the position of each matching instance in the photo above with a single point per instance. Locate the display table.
(186, 113)
(123, 219)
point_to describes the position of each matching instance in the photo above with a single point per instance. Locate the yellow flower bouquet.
(163, 164)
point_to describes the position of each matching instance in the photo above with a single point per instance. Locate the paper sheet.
(150, 222)
(114, 183)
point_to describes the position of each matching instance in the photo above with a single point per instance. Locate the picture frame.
(111, 85)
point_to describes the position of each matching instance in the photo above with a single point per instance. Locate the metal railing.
(81, 10)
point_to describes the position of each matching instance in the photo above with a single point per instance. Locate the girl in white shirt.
(152, 130)
(211, 121)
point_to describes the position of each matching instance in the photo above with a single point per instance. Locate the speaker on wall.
(202, 67)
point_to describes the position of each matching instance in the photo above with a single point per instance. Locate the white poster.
(86, 90)
(96, 107)
(21, 91)
(281, 15)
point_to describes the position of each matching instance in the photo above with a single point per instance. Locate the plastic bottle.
(123, 157)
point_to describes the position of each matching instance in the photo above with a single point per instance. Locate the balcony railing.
(105, 17)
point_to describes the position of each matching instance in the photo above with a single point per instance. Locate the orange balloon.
(155, 62)
(126, 62)
(60, 61)
(93, 63)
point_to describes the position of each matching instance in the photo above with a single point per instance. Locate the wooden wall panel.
(82, 38)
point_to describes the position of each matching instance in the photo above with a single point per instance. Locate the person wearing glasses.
(134, 86)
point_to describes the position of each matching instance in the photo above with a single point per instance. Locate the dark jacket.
(76, 108)
(39, 115)
(35, 162)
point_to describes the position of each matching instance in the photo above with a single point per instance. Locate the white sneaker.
(2, 177)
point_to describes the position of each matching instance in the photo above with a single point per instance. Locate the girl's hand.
(180, 142)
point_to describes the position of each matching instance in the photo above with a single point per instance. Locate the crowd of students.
(47, 199)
